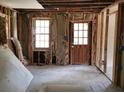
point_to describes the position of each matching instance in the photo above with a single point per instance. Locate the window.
(41, 34)
(80, 35)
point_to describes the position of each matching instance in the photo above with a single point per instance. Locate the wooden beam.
(84, 1)
(60, 10)
(83, 4)
(72, 6)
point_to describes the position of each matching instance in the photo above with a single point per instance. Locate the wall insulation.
(59, 31)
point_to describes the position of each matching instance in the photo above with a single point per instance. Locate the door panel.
(79, 43)
(75, 54)
(86, 54)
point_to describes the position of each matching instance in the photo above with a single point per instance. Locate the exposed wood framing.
(106, 42)
(119, 30)
(84, 5)
(118, 63)
(7, 13)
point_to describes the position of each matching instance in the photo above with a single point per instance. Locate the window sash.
(41, 34)
(80, 34)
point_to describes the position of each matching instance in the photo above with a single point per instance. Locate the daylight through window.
(42, 34)
(80, 35)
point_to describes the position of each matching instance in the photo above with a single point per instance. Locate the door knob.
(72, 46)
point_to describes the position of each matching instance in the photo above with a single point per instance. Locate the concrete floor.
(69, 78)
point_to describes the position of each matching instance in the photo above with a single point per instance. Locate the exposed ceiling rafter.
(86, 5)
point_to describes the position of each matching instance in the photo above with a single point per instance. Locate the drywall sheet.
(13, 75)
(111, 45)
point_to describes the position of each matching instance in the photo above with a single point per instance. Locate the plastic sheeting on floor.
(13, 75)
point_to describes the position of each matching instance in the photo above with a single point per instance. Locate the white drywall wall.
(13, 75)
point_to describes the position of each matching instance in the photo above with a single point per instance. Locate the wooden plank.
(117, 78)
(113, 9)
(30, 40)
(98, 41)
(75, 9)
(101, 39)
(106, 38)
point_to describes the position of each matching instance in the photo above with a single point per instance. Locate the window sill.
(41, 49)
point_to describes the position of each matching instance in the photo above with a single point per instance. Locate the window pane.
(46, 30)
(42, 23)
(80, 26)
(46, 44)
(42, 34)
(46, 23)
(46, 37)
(42, 37)
(42, 44)
(86, 26)
(75, 41)
(37, 23)
(80, 41)
(37, 37)
(38, 30)
(37, 44)
(85, 41)
(42, 30)
(85, 33)
(75, 33)
(80, 33)
(75, 26)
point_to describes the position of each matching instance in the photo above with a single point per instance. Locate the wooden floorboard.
(84, 77)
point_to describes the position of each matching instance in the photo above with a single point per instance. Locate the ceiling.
(21, 4)
(76, 5)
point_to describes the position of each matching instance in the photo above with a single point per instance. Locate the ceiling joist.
(82, 5)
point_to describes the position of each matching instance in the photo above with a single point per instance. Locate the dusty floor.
(69, 78)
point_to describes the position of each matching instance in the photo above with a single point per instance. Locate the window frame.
(34, 35)
(83, 30)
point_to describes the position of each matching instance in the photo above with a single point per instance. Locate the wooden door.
(79, 46)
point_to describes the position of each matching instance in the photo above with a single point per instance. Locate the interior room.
(61, 45)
